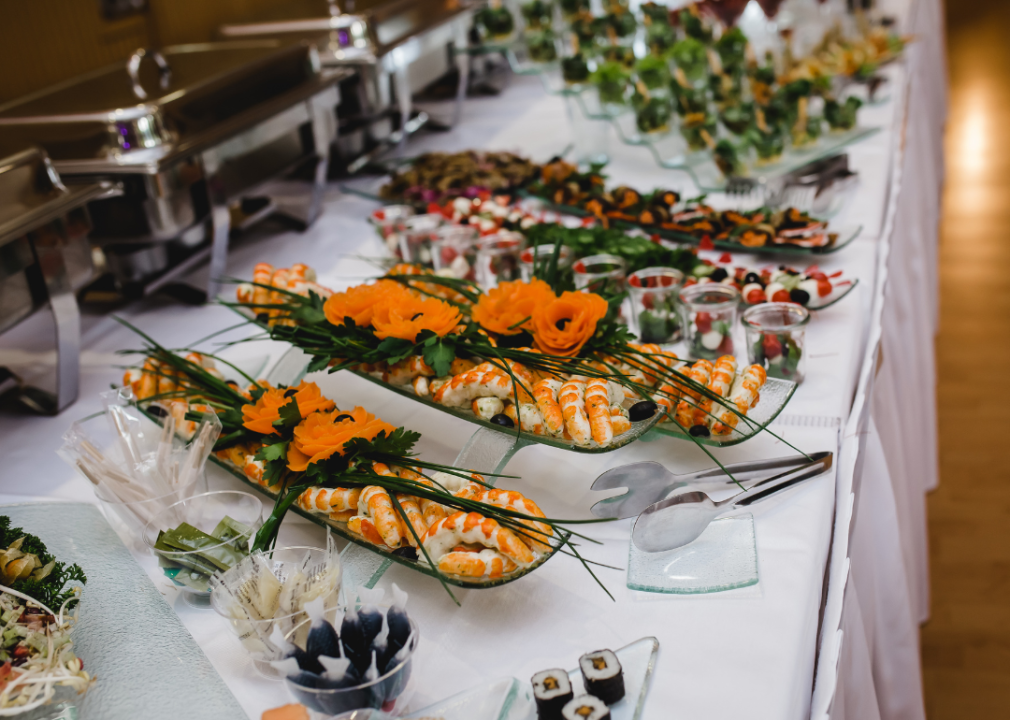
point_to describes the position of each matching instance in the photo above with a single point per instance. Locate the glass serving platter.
(775, 395)
(341, 529)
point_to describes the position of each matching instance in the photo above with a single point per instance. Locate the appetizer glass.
(540, 255)
(708, 317)
(498, 258)
(776, 337)
(655, 310)
(416, 236)
(255, 635)
(388, 222)
(600, 273)
(206, 514)
(454, 251)
(380, 693)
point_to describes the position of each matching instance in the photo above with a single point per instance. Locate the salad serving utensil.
(650, 482)
(676, 521)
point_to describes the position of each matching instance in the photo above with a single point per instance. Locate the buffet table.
(755, 651)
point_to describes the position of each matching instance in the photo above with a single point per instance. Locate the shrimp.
(461, 365)
(263, 274)
(462, 527)
(700, 373)
(719, 384)
(406, 370)
(619, 419)
(167, 380)
(329, 500)
(512, 500)
(431, 511)
(546, 394)
(461, 388)
(411, 508)
(342, 515)
(528, 418)
(486, 563)
(487, 407)
(364, 527)
(573, 408)
(420, 385)
(744, 395)
(375, 504)
(253, 469)
(597, 397)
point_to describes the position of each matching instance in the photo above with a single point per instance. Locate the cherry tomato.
(823, 288)
(704, 322)
(771, 346)
(781, 296)
(755, 297)
(726, 346)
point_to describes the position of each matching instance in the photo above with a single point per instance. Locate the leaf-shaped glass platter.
(341, 529)
(774, 395)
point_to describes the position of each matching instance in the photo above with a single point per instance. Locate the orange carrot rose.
(503, 309)
(261, 416)
(563, 326)
(320, 435)
(359, 302)
(405, 316)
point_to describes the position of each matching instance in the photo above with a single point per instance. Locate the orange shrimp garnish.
(504, 309)
(260, 417)
(563, 326)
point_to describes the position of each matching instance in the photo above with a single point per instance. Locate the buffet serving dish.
(190, 132)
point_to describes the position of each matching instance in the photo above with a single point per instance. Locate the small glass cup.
(600, 273)
(498, 258)
(415, 238)
(204, 512)
(133, 516)
(256, 635)
(388, 222)
(655, 310)
(541, 255)
(776, 336)
(708, 317)
(380, 693)
(454, 251)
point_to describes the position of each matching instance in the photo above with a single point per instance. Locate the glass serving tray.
(774, 396)
(341, 529)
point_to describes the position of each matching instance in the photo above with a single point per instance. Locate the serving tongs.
(649, 482)
(681, 519)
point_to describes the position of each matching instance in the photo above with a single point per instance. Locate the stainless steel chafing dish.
(398, 48)
(190, 132)
(44, 258)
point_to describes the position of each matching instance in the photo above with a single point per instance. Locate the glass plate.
(774, 396)
(723, 558)
(341, 529)
(290, 369)
(638, 662)
(129, 638)
(490, 701)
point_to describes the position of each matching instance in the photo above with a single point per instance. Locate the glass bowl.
(206, 512)
(655, 309)
(255, 634)
(540, 255)
(709, 317)
(415, 238)
(600, 274)
(454, 252)
(498, 258)
(379, 694)
(776, 339)
(388, 223)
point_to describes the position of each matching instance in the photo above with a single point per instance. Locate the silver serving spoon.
(681, 519)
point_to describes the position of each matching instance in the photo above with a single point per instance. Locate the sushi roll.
(552, 690)
(586, 707)
(602, 675)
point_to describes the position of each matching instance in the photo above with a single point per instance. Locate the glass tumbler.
(454, 251)
(655, 310)
(415, 238)
(776, 334)
(600, 273)
(498, 258)
(708, 318)
(539, 256)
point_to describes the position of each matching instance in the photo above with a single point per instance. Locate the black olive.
(799, 296)
(719, 274)
(342, 417)
(791, 271)
(406, 552)
(290, 392)
(503, 420)
(157, 411)
(231, 383)
(751, 277)
(262, 317)
(642, 410)
(700, 431)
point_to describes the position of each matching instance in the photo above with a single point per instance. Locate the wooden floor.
(966, 644)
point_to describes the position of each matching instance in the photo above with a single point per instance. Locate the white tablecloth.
(754, 652)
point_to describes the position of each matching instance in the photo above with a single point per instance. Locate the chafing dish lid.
(31, 193)
(163, 102)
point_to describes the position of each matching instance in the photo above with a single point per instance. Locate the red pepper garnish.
(725, 258)
(835, 274)
(706, 243)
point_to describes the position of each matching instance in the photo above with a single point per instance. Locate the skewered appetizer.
(451, 519)
(436, 177)
(809, 288)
